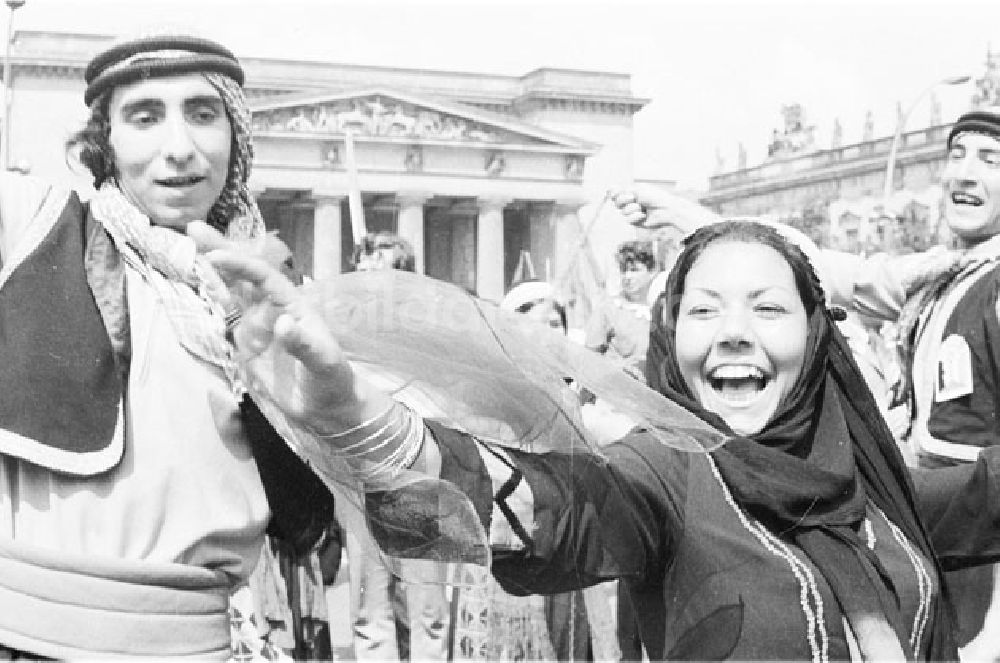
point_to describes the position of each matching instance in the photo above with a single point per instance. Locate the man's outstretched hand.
(651, 207)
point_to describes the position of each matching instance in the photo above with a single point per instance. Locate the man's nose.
(961, 172)
(178, 144)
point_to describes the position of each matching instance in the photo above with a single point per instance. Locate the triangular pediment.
(391, 114)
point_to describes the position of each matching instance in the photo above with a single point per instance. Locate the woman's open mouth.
(738, 383)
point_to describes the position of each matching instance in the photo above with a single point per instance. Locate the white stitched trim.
(815, 623)
(43, 221)
(869, 533)
(72, 462)
(924, 584)
(933, 445)
(929, 338)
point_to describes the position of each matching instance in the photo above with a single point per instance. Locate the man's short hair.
(636, 252)
(403, 257)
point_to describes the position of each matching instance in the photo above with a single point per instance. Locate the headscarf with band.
(797, 475)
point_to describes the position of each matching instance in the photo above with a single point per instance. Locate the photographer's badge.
(954, 369)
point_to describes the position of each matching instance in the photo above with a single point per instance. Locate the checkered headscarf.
(236, 211)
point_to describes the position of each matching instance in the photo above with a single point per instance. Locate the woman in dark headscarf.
(821, 473)
(803, 537)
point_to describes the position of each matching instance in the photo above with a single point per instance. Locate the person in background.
(287, 588)
(536, 300)
(384, 250)
(880, 367)
(619, 326)
(392, 619)
(580, 624)
(619, 329)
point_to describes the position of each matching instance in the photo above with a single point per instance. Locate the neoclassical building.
(486, 175)
(842, 187)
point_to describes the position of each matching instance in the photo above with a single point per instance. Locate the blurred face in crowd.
(381, 258)
(971, 181)
(544, 312)
(171, 139)
(636, 277)
(741, 332)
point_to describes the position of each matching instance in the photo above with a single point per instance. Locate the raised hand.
(652, 207)
(310, 379)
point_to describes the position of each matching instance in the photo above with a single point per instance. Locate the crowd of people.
(802, 493)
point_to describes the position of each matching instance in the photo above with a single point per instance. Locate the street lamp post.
(890, 166)
(8, 94)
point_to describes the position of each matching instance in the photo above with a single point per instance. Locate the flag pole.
(584, 247)
(357, 210)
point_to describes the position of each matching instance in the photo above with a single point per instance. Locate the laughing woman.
(803, 537)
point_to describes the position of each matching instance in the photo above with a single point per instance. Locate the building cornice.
(59, 54)
(920, 146)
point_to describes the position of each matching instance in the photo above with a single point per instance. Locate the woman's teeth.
(738, 384)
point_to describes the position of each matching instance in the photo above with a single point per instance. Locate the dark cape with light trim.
(65, 378)
(63, 388)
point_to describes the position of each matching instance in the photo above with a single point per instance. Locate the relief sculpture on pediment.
(379, 116)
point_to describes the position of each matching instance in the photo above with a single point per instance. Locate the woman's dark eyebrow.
(760, 291)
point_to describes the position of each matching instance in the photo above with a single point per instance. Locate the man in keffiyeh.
(137, 480)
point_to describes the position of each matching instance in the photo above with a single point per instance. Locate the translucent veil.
(462, 361)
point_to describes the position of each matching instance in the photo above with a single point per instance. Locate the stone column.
(566, 236)
(489, 249)
(411, 223)
(326, 236)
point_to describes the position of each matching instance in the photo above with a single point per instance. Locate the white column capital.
(325, 198)
(570, 204)
(493, 202)
(405, 198)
